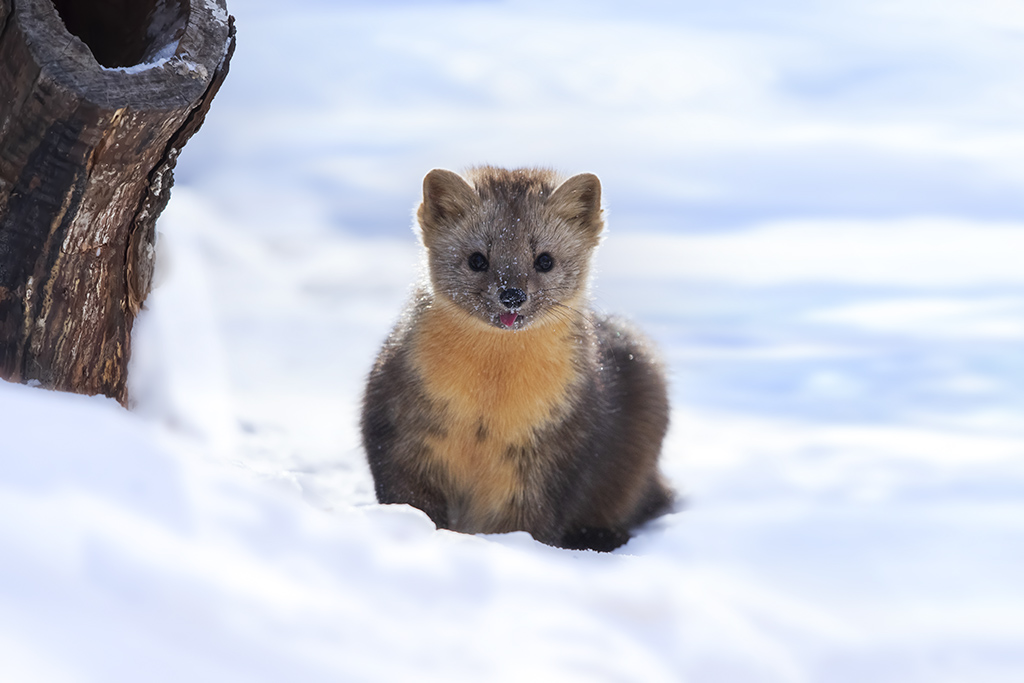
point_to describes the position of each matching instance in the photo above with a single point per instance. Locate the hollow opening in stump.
(125, 32)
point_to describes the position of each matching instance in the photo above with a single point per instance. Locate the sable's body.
(500, 402)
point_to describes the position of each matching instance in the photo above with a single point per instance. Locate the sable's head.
(510, 247)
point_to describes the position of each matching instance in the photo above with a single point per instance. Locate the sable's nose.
(513, 297)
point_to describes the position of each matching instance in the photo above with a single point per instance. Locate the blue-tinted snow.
(815, 209)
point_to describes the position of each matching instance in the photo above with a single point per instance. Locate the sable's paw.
(602, 540)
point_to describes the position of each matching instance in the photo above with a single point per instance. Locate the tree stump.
(97, 98)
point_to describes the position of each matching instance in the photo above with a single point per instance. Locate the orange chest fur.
(497, 388)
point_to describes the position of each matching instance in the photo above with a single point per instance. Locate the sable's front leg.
(396, 462)
(395, 481)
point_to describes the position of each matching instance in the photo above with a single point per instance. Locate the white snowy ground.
(815, 208)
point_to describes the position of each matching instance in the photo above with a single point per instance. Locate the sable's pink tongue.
(508, 319)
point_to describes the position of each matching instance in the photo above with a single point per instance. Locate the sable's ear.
(446, 198)
(578, 202)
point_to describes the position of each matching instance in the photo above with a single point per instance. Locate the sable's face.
(513, 251)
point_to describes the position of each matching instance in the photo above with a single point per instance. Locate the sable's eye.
(477, 262)
(544, 263)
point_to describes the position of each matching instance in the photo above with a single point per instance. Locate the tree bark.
(97, 98)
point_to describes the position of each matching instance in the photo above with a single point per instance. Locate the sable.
(501, 402)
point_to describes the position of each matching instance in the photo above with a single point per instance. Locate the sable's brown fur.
(551, 424)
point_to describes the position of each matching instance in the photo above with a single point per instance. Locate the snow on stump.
(97, 98)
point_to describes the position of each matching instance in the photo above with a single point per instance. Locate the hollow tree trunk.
(97, 97)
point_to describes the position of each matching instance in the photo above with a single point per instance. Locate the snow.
(217, 10)
(814, 209)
